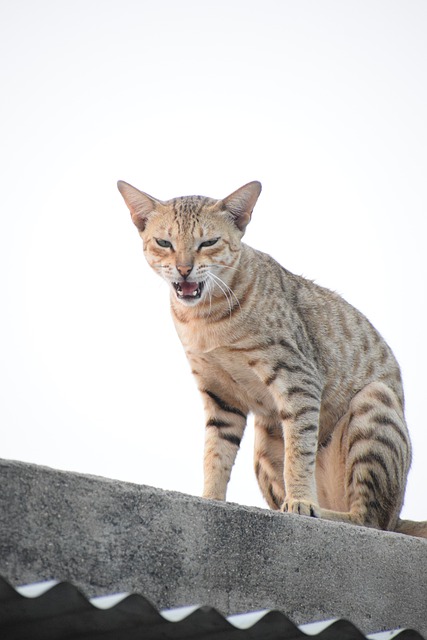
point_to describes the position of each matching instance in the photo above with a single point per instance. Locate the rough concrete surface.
(107, 536)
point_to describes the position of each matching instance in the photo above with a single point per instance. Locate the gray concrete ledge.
(107, 536)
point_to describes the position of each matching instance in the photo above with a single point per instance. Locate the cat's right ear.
(139, 204)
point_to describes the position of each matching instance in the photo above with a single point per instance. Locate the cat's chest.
(230, 372)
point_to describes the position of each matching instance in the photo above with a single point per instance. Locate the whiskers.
(213, 281)
(214, 285)
(161, 266)
(163, 270)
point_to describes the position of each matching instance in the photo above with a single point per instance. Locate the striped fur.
(330, 434)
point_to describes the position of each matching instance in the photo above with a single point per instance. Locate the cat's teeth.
(185, 290)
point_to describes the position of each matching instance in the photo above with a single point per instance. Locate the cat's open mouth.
(188, 290)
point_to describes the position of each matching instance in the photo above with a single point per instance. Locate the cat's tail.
(412, 528)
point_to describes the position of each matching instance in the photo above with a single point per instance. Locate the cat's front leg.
(299, 408)
(300, 436)
(225, 424)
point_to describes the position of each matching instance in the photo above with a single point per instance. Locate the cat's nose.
(184, 269)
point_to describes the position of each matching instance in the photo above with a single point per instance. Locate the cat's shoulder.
(298, 289)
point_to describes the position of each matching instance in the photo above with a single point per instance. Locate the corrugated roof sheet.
(59, 611)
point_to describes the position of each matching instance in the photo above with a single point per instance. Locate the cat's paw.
(303, 507)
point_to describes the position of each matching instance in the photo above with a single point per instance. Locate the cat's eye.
(164, 243)
(208, 243)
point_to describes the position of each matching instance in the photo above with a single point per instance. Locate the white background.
(323, 101)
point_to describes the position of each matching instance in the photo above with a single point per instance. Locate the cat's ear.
(140, 204)
(241, 203)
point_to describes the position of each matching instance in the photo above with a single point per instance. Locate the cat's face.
(193, 242)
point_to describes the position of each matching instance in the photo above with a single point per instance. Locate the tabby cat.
(325, 389)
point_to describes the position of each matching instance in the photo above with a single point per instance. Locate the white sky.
(323, 101)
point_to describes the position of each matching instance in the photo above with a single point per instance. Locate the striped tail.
(412, 528)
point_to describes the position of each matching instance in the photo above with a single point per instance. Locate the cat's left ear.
(241, 203)
(140, 204)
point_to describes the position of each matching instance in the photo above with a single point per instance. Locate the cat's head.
(193, 242)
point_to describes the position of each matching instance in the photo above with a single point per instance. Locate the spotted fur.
(330, 434)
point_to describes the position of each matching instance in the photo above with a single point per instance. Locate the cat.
(324, 387)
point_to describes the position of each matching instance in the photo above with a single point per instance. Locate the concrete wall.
(108, 536)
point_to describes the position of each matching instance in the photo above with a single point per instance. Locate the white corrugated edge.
(240, 620)
(246, 620)
(36, 589)
(107, 602)
(39, 588)
(178, 614)
(384, 635)
(313, 628)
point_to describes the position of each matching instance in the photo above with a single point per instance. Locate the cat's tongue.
(188, 288)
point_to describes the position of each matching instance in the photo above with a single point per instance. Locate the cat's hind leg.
(361, 474)
(268, 459)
